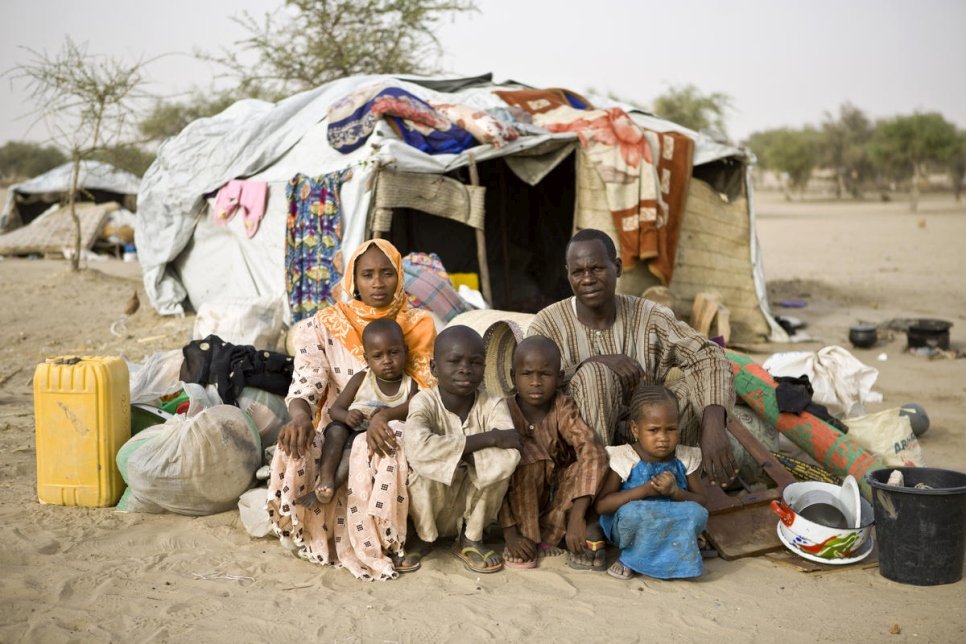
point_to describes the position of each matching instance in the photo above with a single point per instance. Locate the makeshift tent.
(511, 229)
(96, 181)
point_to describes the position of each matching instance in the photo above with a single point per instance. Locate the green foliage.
(167, 119)
(21, 160)
(901, 145)
(794, 152)
(689, 107)
(312, 42)
(845, 147)
(126, 157)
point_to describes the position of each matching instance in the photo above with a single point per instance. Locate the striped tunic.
(649, 334)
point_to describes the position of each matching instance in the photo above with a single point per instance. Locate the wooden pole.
(481, 242)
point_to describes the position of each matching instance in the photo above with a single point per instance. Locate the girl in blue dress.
(652, 502)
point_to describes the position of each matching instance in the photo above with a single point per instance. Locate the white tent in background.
(185, 256)
(99, 182)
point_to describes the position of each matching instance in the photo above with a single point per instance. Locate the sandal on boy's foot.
(618, 570)
(466, 554)
(598, 561)
(517, 565)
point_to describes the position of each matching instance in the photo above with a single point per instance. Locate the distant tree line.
(865, 155)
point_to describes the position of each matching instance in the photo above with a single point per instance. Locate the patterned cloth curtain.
(313, 241)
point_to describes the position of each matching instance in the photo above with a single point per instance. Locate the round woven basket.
(501, 330)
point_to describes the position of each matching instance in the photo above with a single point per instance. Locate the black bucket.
(921, 532)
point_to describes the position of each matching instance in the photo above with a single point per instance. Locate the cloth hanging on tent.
(538, 101)
(645, 175)
(484, 127)
(353, 119)
(313, 241)
(248, 196)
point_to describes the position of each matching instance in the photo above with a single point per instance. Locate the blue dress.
(658, 537)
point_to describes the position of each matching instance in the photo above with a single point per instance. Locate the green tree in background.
(22, 160)
(690, 107)
(790, 151)
(957, 164)
(311, 42)
(166, 119)
(845, 148)
(904, 144)
(86, 103)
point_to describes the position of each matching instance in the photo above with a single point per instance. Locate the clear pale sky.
(783, 62)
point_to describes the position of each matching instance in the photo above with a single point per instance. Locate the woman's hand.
(379, 437)
(296, 436)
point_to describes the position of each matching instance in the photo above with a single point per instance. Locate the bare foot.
(309, 500)
(324, 492)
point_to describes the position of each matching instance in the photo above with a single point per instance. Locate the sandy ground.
(78, 575)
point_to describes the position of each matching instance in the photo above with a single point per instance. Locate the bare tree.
(85, 102)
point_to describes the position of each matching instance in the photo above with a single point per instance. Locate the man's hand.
(295, 437)
(379, 436)
(717, 459)
(628, 371)
(576, 533)
(507, 439)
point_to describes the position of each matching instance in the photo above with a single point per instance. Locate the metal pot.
(813, 540)
(929, 333)
(863, 336)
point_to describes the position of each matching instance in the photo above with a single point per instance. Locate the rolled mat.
(827, 445)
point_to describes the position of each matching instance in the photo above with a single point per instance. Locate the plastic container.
(83, 415)
(921, 532)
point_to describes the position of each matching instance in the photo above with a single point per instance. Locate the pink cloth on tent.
(245, 195)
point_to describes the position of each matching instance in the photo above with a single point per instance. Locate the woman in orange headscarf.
(328, 352)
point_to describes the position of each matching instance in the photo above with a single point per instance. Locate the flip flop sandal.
(600, 557)
(625, 574)
(416, 559)
(518, 565)
(463, 554)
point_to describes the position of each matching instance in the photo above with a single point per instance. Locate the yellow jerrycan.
(82, 407)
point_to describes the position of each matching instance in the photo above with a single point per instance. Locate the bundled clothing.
(366, 519)
(649, 334)
(657, 537)
(447, 491)
(428, 286)
(562, 460)
(231, 368)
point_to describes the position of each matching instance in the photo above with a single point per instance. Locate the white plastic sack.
(841, 382)
(267, 411)
(250, 321)
(157, 376)
(193, 465)
(888, 434)
(253, 512)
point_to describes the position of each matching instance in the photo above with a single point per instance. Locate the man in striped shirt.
(609, 343)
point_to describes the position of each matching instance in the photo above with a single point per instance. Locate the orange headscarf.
(346, 320)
